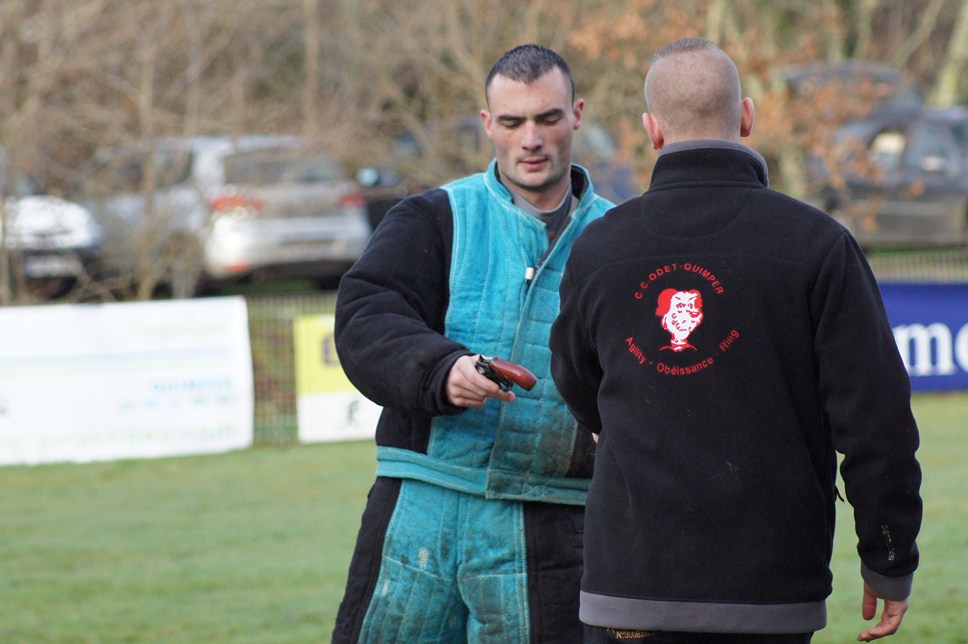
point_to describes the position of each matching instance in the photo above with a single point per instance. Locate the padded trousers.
(434, 565)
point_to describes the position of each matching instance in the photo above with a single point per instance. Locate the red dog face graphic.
(681, 313)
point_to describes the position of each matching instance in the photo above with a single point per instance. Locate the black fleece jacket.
(712, 502)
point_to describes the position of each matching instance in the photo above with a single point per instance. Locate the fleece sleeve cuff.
(889, 587)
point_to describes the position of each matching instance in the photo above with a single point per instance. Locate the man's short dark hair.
(527, 63)
(682, 46)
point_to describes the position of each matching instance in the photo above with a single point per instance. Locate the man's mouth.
(534, 163)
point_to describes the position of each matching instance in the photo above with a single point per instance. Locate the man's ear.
(577, 109)
(486, 119)
(654, 130)
(746, 124)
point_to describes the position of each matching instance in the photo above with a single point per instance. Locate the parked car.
(856, 84)
(462, 147)
(50, 241)
(214, 210)
(900, 178)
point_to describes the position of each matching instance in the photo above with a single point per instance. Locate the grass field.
(253, 546)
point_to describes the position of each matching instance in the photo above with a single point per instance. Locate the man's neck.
(521, 201)
(538, 202)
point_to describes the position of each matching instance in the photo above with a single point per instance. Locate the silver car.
(190, 212)
(50, 242)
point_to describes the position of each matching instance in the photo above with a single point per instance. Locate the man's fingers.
(887, 626)
(467, 388)
(868, 608)
(467, 394)
(890, 620)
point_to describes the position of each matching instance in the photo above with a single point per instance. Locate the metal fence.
(947, 265)
(271, 320)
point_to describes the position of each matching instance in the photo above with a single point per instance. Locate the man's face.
(531, 127)
(684, 315)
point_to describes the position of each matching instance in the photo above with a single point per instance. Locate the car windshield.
(266, 167)
(125, 172)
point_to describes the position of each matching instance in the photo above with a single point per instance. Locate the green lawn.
(250, 546)
(253, 546)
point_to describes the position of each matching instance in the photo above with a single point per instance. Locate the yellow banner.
(329, 408)
(317, 366)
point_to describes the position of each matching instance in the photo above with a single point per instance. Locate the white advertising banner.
(90, 382)
(329, 408)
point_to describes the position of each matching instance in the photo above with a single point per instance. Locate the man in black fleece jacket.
(724, 342)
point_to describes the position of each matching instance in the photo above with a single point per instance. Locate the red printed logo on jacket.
(688, 329)
(681, 313)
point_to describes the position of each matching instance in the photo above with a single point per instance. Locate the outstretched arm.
(894, 610)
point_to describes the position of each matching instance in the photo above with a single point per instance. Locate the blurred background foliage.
(354, 74)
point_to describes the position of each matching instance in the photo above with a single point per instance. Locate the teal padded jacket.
(445, 275)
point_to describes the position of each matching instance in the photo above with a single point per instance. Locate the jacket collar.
(707, 159)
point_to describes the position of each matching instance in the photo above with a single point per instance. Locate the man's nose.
(532, 138)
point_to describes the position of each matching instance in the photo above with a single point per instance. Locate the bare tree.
(949, 87)
(311, 85)
(355, 74)
(35, 56)
(764, 39)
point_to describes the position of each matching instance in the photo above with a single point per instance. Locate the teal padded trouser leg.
(453, 569)
(467, 570)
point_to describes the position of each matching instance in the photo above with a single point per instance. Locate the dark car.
(852, 85)
(900, 178)
(437, 153)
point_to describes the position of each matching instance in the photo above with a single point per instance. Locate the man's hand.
(894, 610)
(505, 373)
(467, 388)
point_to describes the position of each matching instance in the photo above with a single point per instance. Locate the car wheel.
(50, 288)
